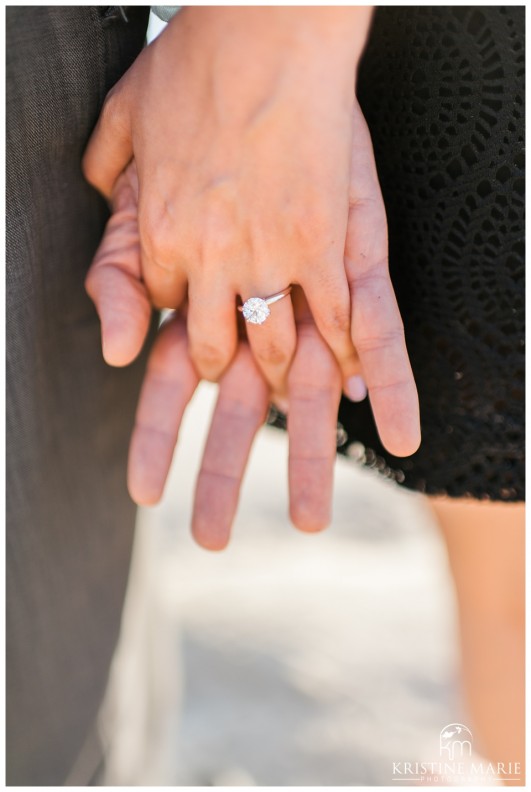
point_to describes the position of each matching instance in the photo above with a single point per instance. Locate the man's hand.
(114, 280)
(313, 396)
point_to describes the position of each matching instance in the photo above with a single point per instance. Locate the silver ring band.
(256, 309)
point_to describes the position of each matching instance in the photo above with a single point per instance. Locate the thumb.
(114, 279)
(110, 147)
(124, 310)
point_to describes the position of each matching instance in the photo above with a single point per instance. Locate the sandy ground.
(288, 659)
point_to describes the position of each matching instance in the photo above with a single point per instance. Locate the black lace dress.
(442, 89)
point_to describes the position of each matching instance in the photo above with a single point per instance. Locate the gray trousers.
(69, 518)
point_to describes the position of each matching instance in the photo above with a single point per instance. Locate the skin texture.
(253, 178)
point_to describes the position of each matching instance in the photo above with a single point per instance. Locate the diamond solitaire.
(256, 309)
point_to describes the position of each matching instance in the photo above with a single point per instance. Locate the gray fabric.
(69, 518)
(165, 13)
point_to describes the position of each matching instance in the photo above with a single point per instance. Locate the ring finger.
(274, 340)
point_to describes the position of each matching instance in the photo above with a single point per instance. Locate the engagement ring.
(256, 309)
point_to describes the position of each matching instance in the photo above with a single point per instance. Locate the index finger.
(378, 335)
(377, 328)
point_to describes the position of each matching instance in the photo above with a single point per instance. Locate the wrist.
(337, 34)
(248, 53)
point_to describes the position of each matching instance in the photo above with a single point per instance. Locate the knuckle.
(377, 268)
(386, 338)
(367, 269)
(209, 358)
(273, 353)
(336, 320)
(371, 204)
(381, 264)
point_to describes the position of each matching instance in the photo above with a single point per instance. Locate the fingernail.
(356, 389)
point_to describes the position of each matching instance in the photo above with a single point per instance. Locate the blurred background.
(288, 659)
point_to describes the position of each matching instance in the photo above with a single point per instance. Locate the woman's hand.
(254, 166)
(240, 124)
